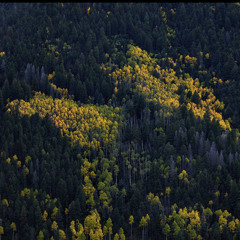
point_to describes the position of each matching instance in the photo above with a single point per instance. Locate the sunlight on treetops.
(161, 85)
(91, 126)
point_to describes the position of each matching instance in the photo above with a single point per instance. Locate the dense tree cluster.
(91, 126)
(119, 121)
(142, 75)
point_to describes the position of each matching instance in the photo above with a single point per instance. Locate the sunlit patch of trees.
(91, 126)
(161, 86)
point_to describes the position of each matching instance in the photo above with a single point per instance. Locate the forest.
(119, 121)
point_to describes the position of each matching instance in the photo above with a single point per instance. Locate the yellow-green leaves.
(92, 226)
(91, 126)
(144, 221)
(5, 202)
(13, 226)
(143, 74)
(131, 220)
(1, 230)
(54, 226)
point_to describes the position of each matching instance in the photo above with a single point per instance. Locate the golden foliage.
(88, 10)
(54, 226)
(13, 226)
(143, 75)
(5, 202)
(190, 60)
(92, 226)
(44, 216)
(90, 126)
(1, 230)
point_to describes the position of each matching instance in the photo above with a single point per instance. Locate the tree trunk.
(130, 175)
(131, 232)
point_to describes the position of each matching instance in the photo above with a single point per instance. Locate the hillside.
(119, 121)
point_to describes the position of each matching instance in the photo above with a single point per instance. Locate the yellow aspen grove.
(92, 226)
(163, 86)
(78, 123)
(77, 230)
(120, 121)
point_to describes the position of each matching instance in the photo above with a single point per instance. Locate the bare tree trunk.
(131, 232)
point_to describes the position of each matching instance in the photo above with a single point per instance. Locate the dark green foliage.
(40, 170)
